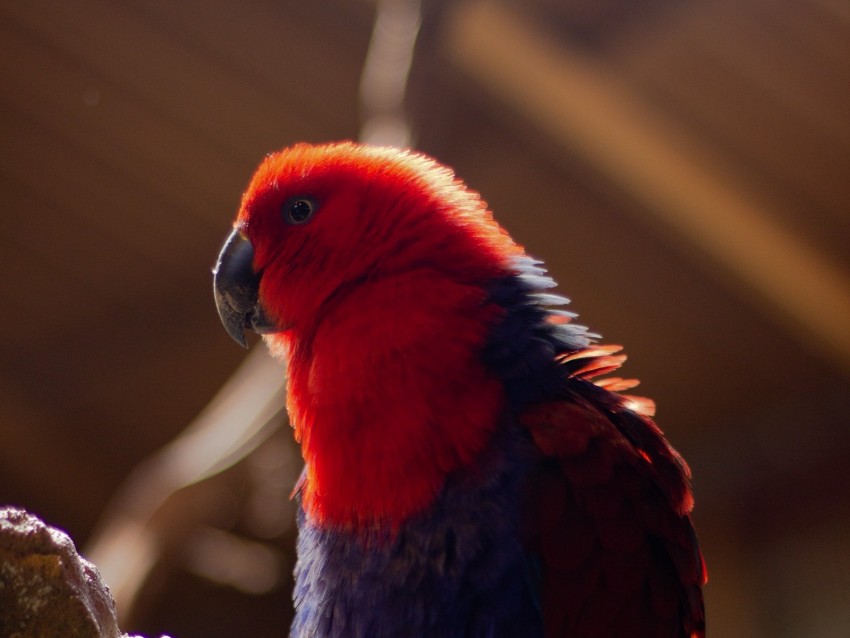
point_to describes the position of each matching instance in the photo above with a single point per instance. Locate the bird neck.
(388, 396)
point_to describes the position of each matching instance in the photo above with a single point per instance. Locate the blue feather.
(456, 571)
(521, 349)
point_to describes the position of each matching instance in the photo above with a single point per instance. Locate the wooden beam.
(587, 111)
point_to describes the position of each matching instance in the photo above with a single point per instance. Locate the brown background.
(130, 129)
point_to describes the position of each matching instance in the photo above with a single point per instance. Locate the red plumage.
(382, 308)
(622, 555)
(420, 405)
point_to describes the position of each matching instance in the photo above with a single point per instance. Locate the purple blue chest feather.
(456, 571)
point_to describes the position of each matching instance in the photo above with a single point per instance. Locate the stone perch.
(46, 588)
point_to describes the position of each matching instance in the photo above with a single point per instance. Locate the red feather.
(377, 395)
(617, 547)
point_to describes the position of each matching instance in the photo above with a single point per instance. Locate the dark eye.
(297, 210)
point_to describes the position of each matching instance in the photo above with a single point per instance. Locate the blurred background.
(682, 166)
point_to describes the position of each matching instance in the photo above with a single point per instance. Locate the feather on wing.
(618, 552)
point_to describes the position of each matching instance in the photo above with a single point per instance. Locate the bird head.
(318, 222)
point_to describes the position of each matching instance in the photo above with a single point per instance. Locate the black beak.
(236, 287)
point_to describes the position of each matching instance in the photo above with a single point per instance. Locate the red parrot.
(468, 473)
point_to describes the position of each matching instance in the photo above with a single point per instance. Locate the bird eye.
(298, 210)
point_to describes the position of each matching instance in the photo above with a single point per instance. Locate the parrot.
(471, 469)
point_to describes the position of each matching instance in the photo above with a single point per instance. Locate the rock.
(46, 588)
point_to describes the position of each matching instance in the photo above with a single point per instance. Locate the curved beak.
(236, 288)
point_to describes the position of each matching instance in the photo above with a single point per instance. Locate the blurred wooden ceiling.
(682, 167)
